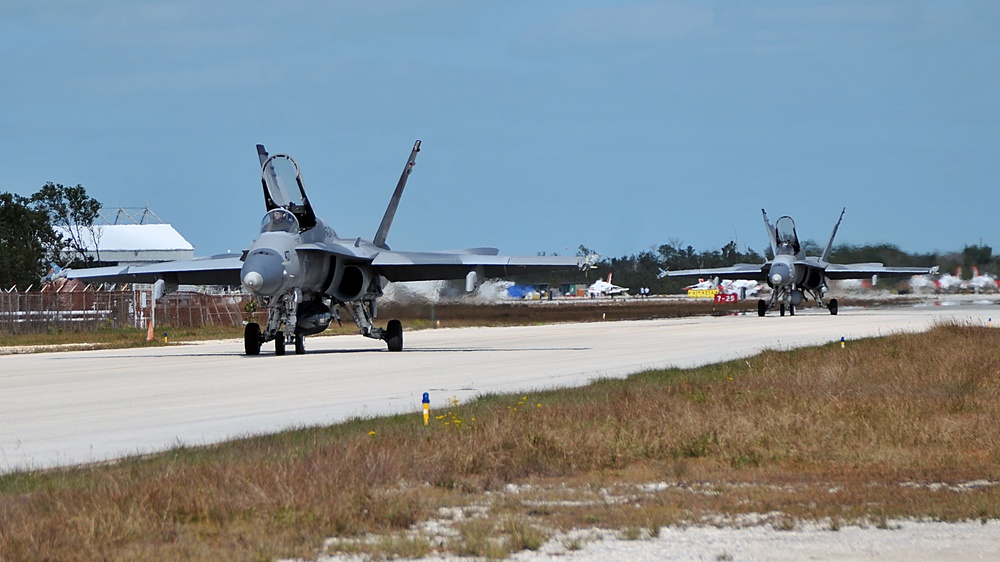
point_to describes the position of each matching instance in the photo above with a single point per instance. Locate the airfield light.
(427, 407)
(842, 342)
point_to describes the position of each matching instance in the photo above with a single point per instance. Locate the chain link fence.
(86, 309)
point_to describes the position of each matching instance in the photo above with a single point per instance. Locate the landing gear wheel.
(761, 307)
(300, 344)
(394, 335)
(251, 339)
(791, 310)
(279, 344)
(781, 309)
(833, 306)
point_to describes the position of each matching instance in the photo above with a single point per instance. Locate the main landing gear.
(393, 335)
(252, 339)
(762, 307)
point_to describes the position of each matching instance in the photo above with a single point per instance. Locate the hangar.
(128, 236)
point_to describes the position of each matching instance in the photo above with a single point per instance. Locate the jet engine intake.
(350, 281)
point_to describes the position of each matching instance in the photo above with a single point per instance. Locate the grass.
(902, 426)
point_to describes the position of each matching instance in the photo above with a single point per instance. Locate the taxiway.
(75, 407)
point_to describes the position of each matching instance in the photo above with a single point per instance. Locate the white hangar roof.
(133, 243)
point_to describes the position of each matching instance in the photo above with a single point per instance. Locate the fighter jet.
(602, 288)
(302, 272)
(792, 275)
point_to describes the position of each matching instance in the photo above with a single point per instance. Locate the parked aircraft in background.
(743, 288)
(791, 274)
(950, 283)
(983, 282)
(918, 283)
(703, 285)
(302, 271)
(602, 288)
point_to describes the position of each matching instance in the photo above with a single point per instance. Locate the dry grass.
(903, 426)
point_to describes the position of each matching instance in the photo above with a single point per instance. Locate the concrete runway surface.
(67, 408)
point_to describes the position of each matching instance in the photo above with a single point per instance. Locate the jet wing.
(428, 266)
(863, 270)
(217, 270)
(754, 271)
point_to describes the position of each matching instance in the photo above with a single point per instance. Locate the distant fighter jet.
(791, 274)
(950, 283)
(983, 282)
(602, 288)
(301, 271)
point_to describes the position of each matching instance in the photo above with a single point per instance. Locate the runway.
(67, 408)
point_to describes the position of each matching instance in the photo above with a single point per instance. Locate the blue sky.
(545, 125)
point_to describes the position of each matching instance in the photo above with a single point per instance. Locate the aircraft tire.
(781, 309)
(833, 306)
(300, 344)
(279, 344)
(251, 339)
(761, 307)
(394, 335)
(791, 310)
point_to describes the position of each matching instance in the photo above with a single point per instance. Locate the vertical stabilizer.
(829, 245)
(770, 234)
(390, 212)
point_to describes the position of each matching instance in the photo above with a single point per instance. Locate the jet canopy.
(279, 220)
(787, 239)
(283, 189)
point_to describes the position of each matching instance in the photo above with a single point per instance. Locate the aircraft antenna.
(390, 212)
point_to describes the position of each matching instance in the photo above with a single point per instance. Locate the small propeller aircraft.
(792, 275)
(302, 271)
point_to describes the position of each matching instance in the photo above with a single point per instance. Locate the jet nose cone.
(253, 281)
(263, 272)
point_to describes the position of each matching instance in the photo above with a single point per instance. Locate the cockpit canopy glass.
(279, 220)
(281, 176)
(787, 239)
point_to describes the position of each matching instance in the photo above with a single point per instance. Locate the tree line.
(29, 239)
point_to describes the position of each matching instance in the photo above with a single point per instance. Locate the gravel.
(906, 540)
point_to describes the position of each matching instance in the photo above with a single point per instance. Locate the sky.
(545, 125)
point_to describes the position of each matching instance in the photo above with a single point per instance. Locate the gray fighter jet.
(303, 272)
(792, 275)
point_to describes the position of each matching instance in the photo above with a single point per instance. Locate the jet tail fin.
(770, 234)
(829, 245)
(383, 229)
(261, 154)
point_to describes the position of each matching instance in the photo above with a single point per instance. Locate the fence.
(85, 309)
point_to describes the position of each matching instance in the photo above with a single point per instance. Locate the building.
(129, 238)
